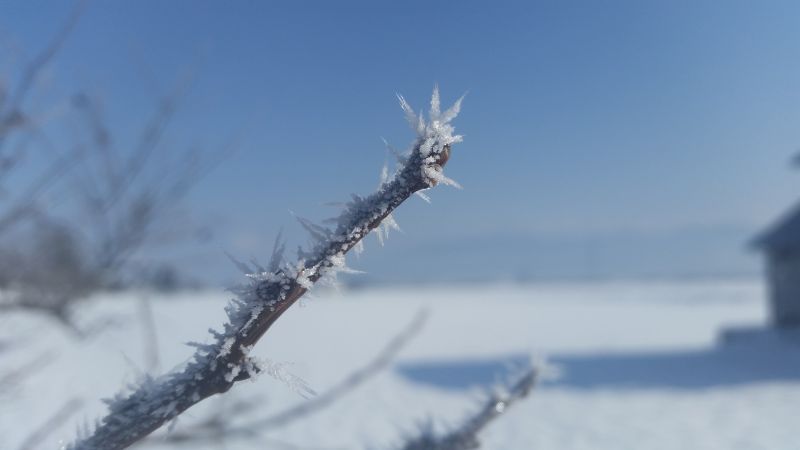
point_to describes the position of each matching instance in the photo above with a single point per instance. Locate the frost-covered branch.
(215, 368)
(219, 426)
(465, 437)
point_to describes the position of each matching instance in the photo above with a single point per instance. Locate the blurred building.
(781, 246)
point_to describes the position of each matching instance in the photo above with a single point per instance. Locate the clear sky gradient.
(584, 122)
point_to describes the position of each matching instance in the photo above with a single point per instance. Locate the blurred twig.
(11, 115)
(351, 382)
(219, 426)
(149, 334)
(51, 424)
(11, 378)
(122, 209)
(465, 437)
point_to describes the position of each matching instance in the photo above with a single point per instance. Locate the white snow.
(641, 365)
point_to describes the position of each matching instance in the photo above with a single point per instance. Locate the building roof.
(783, 235)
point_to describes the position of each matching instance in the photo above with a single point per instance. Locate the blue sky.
(583, 120)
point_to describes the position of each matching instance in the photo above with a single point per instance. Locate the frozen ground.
(641, 365)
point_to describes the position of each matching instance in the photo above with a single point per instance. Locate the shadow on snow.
(744, 361)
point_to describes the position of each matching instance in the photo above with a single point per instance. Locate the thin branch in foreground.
(465, 437)
(216, 367)
(218, 427)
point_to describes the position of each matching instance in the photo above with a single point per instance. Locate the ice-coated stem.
(216, 367)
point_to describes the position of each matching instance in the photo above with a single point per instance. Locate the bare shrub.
(73, 223)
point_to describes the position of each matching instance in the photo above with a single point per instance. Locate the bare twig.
(50, 425)
(354, 380)
(25, 205)
(215, 368)
(11, 115)
(123, 209)
(148, 142)
(11, 378)
(149, 334)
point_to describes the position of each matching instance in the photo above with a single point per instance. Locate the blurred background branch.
(465, 436)
(82, 209)
(232, 419)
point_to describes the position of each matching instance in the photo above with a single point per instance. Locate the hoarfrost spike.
(423, 196)
(317, 232)
(359, 248)
(384, 174)
(435, 104)
(379, 234)
(278, 249)
(390, 223)
(244, 268)
(257, 265)
(400, 157)
(453, 111)
(411, 117)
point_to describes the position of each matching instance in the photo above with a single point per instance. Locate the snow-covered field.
(641, 365)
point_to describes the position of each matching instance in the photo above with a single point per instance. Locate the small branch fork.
(216, 367)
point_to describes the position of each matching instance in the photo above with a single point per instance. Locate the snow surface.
(641, 365)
